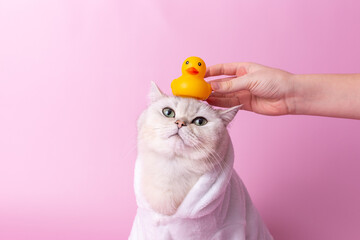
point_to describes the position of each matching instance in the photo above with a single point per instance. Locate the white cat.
(185, 184)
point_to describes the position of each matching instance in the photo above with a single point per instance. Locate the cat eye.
(199, 121)
(168, 112)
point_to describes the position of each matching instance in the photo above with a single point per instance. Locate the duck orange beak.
(192, 71)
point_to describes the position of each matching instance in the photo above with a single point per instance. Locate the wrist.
(293, 95)
(302, 94)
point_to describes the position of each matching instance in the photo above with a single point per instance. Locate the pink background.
(74, 75)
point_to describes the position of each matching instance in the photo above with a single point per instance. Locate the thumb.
(233, 85)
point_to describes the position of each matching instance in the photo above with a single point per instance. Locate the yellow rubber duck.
(192, 83)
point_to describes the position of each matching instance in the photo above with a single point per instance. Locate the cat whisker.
(210, 162)
(213, 153)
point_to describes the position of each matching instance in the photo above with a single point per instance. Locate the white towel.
(218, 207)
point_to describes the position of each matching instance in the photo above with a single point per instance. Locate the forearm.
(332, 95)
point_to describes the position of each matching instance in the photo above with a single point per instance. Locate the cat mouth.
(178, 136)
(175, 135)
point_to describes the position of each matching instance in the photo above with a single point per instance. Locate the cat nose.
(180, 123)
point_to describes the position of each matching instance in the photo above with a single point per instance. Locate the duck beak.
(192, 71)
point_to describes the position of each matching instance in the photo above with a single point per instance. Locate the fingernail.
(215, 86)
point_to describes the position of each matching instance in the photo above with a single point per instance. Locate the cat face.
(182, 126)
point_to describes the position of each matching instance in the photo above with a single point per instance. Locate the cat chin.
(179, 142)
(172, 147)
(175, 145)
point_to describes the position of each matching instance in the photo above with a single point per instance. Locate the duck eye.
(199, 63)
(168, 112)
(199, 121)
(187, 62)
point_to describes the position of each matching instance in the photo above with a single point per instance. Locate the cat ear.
(155, 92)
(227, 115)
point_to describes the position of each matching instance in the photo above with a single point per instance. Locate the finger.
(233, 85)
(223, 95)
(238, 69)
(243, 95)
(223, 102)
(221, 79)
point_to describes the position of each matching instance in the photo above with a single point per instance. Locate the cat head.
(183, 126)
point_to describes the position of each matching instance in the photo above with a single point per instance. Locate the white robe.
(218, 207)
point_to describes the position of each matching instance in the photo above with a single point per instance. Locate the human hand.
(260, 89)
